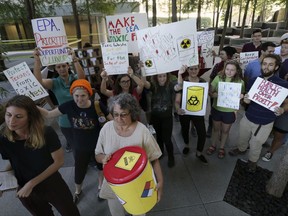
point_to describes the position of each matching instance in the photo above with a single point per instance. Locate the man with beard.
(257, 123)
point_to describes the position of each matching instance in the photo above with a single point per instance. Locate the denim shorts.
(225, 117)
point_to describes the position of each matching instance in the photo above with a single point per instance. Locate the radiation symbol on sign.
(185, 43)
(148, 63)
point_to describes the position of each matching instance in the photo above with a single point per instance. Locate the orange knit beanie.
(82, 83)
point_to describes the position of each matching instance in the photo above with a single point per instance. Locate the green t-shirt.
(214, 85)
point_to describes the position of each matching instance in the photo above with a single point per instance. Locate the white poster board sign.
(167, 47)
(229, 95)
(246, 57)
(24, 82)
(50, 37)
(194, 98)
(267, 94)
(115, 57)
(122, 28)
(205, 41)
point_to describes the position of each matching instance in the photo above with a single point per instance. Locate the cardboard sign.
(246, 57)
(115, 57)
(90, 60)
(229, 95)
(194, 98)
(267, 94)
(50, 37)
(122, 28)
(167, 47)
(24, 82)
(205, 41)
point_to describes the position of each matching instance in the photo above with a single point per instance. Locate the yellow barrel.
(131, 177)
(194, 98)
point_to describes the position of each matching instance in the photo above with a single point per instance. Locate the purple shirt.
(250, 47)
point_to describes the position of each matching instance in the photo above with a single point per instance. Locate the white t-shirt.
(109, 141)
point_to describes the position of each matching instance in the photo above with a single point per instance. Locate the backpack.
(101, 117)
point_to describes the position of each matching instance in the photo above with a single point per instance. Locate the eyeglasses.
(121, 115)
(192, 68)
(124, 82)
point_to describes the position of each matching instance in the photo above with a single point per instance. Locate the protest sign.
(267, 94)
(229, 95)
(115, 57)
(167, 47)
(50, 37)
(122, 28)
(205, 41)
(246, 57)
(90, 60)
(24, 82)
(194, 98)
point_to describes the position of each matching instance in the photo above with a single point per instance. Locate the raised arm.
(46, 83)
(179, 84)
(103, 86)
(49, 113)
(78, 68)
(58, 161)
(137, 80)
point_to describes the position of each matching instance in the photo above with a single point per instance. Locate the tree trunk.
(253, 13)
(229, 3)
(147, 7)
(174, 11)
(89, 23)
(244, 18)
(77, 23)
(154, 12)
(217, 16)
(230, 15)
(180, 9)
(27, 23)
(240, 12)
(199, 14)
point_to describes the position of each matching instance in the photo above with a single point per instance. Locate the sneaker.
(202, 159)
(76, 197)
(267, 157)
(236, 151)
(251, 166)
(68, 149)
(186, 150)
(98, 197)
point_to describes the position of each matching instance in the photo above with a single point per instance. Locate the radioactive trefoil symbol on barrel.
(194, 98)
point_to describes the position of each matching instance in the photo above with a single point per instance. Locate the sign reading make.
(24, 82)
(122, 28)
(50, 37)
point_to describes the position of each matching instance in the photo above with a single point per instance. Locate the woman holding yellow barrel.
(185, 120)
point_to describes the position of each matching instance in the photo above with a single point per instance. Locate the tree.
(229, 4)
(244, 18)
(154, 13)
(174, 11)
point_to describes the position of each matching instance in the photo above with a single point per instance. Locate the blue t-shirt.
(252, 70)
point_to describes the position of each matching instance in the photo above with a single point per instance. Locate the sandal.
(221, 153)
(211, 150)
